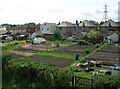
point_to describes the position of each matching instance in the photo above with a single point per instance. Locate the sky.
(55, 11)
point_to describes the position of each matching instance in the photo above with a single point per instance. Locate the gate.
(81, 82)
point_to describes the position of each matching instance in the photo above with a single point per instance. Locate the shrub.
(31, 75)
(106, 82)
(4, 47)
(40, 35)
(57, 35)
(57, 44)
(87, 51)
(97, 45)
(82, 42)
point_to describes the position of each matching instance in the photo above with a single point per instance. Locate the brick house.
(31, 28)
(66, 28)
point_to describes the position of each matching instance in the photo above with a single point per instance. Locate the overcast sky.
(40, 11)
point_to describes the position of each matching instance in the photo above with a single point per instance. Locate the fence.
(81, 82)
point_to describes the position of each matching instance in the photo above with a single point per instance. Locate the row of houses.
(66, 28)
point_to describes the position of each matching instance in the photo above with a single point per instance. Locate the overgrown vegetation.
(93, 36)
(31, 75)
(13, 42)
(57, 35)
(40, 35)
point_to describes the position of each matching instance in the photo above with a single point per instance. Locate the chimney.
(76, 22)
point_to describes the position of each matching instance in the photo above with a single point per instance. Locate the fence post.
(73, 81)
(92, 83)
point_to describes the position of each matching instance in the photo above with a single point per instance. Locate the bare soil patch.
(21, 53)
(107, 54)
(15, 56)
(75, 49)
(59, 62)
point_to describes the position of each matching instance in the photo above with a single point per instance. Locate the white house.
(3, 29)
(113, 37)
(48, 28)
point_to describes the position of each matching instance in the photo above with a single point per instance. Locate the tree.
(94, 22)
(93, 35)
(57, 35)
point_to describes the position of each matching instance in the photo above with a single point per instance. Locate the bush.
(5, 70)
(82, 42)
(57, 44)
(106, 82)
(97, 45)
(31, 75)
(4, 47)
(40, 35)
(87, 51)
(57, 35)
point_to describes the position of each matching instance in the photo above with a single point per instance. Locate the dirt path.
(21, 53)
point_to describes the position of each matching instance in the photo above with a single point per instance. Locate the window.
(47, 29)
(42, 28)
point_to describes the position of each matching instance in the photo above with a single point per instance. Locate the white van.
(39, 40)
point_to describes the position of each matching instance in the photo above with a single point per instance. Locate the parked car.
(39, 40)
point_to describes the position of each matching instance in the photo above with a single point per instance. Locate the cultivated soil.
(75, 49)
(59, 62)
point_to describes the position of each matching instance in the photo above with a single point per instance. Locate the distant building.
(26, 30)
(3, 30)
(31, 28)
(66, 28)
(47, 29)
(86, 25)
(109, 27)
(119, 11)
(83, 27)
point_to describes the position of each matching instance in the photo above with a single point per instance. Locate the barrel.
(16, 43)
(32, 42)
(114, 42)
(76, 56)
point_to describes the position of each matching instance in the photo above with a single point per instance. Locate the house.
(86, 25)
(82, 27)
(109, 27)
(3, 30)
(47, 29)
(113, 37)
(26, 30)
(31, 28)
(66, 28)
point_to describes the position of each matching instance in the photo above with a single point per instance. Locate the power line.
(105, 13)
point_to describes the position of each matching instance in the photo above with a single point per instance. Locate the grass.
(101, 46)
(66, 56)
(13, 42)
(81, 74)
(61, 42)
